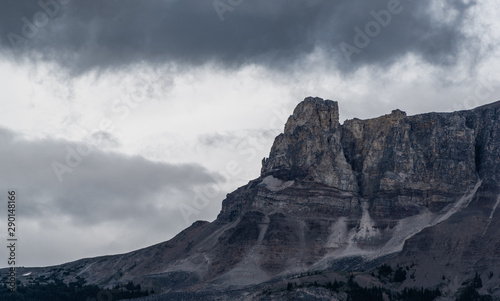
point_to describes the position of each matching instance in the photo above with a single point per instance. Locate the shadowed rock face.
(402, 163)
(367, 187)
(310, 147)
(422, 187)
(399, 165)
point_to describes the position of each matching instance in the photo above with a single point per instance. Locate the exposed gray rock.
(310, 148)
(423, 189)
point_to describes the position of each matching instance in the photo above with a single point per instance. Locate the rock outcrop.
(397, 164)
(375, 187)
(310, 148)
(339, 196)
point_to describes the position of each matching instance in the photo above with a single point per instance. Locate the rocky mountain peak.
(420, 192)
(314, 112)
(309, 148)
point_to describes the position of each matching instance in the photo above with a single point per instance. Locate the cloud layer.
(202, 81)
(100, 189)
(98, 34)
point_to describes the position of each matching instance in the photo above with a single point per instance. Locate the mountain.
(392, 202)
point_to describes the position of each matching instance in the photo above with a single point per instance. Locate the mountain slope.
(419, 191)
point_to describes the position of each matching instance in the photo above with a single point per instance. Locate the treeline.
(469, 291)
(357, 293)
(57, 290)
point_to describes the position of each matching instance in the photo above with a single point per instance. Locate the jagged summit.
(310, 147)
(379, 157)
(418, 191)
(315, 112)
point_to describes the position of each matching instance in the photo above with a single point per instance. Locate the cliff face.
(417, 188)
(397, 164)
(375, 187)
(310, 148)
(403, 163)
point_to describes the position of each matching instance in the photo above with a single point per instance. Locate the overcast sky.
(123, 122)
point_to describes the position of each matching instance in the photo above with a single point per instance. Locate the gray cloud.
(104, 139)
(103, 187)
(237, 139)
(85, 35)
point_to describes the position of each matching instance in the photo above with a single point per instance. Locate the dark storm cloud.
(102, 187)
(82, 35)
